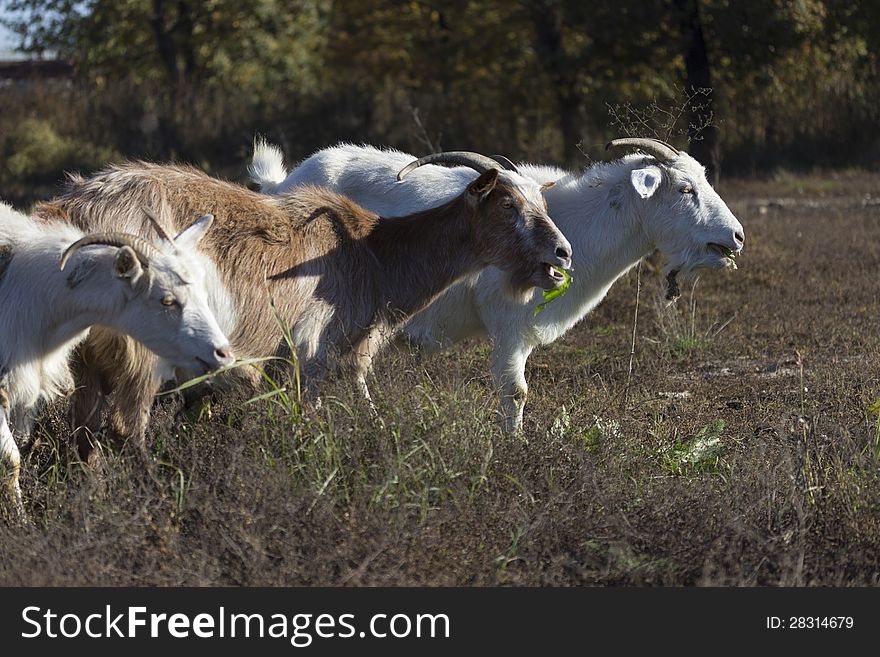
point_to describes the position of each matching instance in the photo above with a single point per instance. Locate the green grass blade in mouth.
(189, 383)
(549, 295)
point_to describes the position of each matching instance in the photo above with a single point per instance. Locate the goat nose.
(224, 353)
(739, 237)
(563, 252)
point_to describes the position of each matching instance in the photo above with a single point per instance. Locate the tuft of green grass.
(685, 345)
(874, 409)
(511, 553)
(608, 330)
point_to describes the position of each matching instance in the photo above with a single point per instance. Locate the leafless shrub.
(688, 114)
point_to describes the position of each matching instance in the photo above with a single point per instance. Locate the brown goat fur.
(341, 278)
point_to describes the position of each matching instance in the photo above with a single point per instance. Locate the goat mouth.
(553, 273)
(205, 365)
(725, 253)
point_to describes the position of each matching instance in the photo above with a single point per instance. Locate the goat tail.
(267, 166)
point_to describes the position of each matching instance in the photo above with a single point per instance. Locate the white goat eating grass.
(614, 214)
(56, 282)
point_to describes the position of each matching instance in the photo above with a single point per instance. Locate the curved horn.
(475, 161)
(503, 161)
(157, 226)
(141, 247)
(659, 149)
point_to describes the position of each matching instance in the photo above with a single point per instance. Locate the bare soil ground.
(743, 451)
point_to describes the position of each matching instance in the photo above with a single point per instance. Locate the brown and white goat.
(340, 277)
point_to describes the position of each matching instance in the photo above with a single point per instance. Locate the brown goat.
(343, 279)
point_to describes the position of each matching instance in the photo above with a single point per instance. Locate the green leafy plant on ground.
(874, 409)
(590, 436)
(701, 452)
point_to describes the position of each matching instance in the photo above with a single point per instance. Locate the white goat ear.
(126, 264)
(193, 234)
(646, 181)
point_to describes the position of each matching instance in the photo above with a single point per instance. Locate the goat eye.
(687, 189)
(168, 300)
(506, 203)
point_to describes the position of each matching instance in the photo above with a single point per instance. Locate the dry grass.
(746, 454)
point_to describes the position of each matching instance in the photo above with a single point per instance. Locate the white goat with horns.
(614, 214)
(156, 294)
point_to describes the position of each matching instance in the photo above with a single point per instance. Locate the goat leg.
(11, 457)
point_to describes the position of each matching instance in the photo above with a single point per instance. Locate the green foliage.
(38, 152)
(874, 409)
(550, 295)
(795, 83)
(701, 452)
(684, 345)
(590, 437)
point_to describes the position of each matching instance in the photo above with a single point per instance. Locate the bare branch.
(422, 132)
(665, 121)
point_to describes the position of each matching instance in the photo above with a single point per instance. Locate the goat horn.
(157, 226)
(503, 161)
(141, 247)
(475, 161)
(659, 149)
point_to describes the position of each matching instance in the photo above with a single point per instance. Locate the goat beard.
(676, 277)
(673, 292)
(678, 271)
(658, 263)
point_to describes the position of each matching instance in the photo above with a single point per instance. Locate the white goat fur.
(46, 312)
(614, 214)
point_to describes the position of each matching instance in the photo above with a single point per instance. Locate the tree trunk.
(703, 147)
(563, 76)
(174, 43)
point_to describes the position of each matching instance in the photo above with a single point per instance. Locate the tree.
(698, 75)
(793, 82)
(179, 66)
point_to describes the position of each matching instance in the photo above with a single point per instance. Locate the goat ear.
(193, 234)
(126, 264)
(483, 186)
(646, 181)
